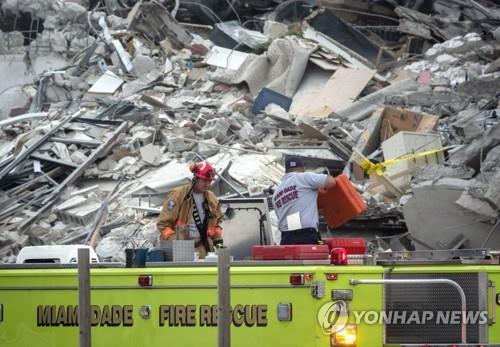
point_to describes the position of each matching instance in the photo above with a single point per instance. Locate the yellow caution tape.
(378, 168)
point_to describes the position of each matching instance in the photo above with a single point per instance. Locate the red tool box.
(352, 245)
(291, 252)
(340, 203)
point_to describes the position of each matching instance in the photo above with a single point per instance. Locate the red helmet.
(203, 170)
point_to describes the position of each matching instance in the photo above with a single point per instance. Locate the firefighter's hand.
(214, 232)
(218, 243)
(167, 233)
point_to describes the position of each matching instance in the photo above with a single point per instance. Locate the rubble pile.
(103, 106)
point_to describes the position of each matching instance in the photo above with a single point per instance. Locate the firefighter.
(294, 202)
(193, 211)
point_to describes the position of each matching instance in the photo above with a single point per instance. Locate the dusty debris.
(101, 112)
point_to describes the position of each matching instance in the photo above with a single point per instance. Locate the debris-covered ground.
(104, 103)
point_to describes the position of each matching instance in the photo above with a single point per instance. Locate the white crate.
(407, 142)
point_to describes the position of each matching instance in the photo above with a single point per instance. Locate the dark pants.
(305, 236)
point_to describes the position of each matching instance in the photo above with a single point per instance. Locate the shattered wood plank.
(375, 185)
(23, 155)
(359, 158)
(398, 119)
(50, 200)
(384, 180)
(340, 91)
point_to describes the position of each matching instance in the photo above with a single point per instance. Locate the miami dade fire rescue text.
(168, 315)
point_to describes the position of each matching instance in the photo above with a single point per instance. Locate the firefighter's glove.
(167, 233)
(214, 232)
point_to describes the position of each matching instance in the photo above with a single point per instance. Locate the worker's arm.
(215, 232)
(168, 217)
(330, 182)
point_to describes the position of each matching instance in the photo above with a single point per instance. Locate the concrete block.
(215, 128)
(471, 155)
(467, 125)
(78, 157)
(71, 203)
(437, 171)
(206, 150)
(492, 161)
(433, 216)
(81, 215)
(480, 207)
(177, 144)
(493, 192)
(151, 154)
(143, 65)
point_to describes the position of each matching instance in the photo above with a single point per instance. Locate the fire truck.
(419, 298)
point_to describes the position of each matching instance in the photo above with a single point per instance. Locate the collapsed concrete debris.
(101, 112)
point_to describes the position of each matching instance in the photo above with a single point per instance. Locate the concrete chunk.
(493, 192)
(471, 155)
(433, 216)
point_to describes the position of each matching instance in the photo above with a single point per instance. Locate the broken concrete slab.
(492, 161)
(432, 216)
(493, 193)
(11, 99)
(434, 172)
(215, 128)
(143, 65)
(470, 124)
(78, 157)
(278, 113)
(14, 72)
(208, 148)
(478, 206)
(473, 154)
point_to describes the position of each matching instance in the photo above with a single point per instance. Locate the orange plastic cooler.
(341, 203)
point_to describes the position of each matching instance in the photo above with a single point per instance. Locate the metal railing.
(426, 281)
